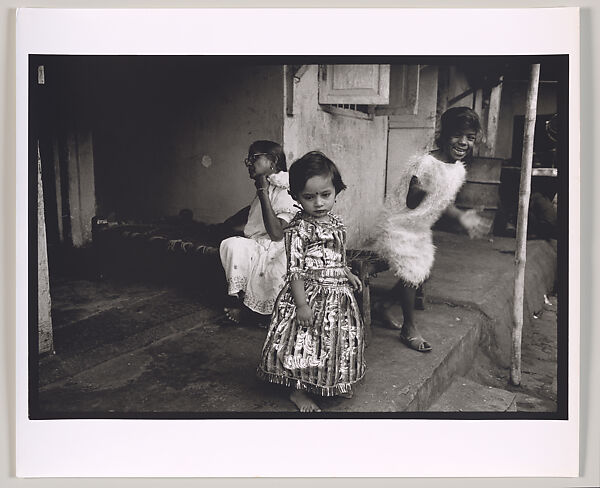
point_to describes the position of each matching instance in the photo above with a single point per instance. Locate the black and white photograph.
(299, 237)
(184, 267)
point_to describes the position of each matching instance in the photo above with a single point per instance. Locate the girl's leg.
(391, 307)
(303, 401)
(420, 297)
(410, 334)
(407, 300)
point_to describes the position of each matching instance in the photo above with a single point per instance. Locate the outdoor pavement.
(144, 349)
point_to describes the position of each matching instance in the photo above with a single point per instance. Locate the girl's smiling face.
(459, 144)
(318, 196)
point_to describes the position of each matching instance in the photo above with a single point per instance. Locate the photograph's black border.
(562, 281)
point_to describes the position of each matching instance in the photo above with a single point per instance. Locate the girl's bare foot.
(234, 314)
(303, 401)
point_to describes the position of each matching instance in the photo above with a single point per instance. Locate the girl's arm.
(273, 225)
(468, 219)
(415, 194)
(454, 212)
(295, 249)
(304, 314)
(353, 279)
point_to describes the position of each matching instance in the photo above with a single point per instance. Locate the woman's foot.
(234, 314)
(349, 394)
(303, 401)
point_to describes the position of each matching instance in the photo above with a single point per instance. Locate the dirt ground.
(538, 389)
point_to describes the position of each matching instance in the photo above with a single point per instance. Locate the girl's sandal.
(417, 343)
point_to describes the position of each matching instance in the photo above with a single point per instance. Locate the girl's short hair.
(273, 151)
(457, 119)
(314, 163)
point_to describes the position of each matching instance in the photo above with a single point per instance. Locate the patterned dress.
(326, 358)
(255, 264)
(404, 235)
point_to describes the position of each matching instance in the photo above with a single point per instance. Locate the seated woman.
(255, 262)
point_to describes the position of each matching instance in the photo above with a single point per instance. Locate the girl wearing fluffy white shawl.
(428, 188)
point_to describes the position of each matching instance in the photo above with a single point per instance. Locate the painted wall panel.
(357, 146)
(412, 134)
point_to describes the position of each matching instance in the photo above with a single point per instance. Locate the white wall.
(412, 134)
(356, 146)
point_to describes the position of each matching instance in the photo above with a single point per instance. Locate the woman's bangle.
(264, 188)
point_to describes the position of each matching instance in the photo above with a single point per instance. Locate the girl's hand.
(304, 315)
(354, 281)
(475, 226)
(261, 182)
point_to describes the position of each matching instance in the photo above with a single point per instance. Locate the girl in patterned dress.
(254, 263)
(428, 189)
(315, 342)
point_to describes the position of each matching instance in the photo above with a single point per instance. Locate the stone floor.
(125, 348)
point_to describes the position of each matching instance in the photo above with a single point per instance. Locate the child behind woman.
(315, 341)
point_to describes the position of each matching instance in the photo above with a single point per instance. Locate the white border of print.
(280, 448)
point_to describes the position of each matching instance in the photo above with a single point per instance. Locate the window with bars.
(366, 90)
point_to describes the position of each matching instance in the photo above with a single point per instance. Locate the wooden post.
(44, 303)
(488, 148)
(521, 250)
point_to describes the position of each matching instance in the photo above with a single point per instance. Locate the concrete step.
(400, 379)
(464, 395)
(94, 325)
(195, 364)
(174, 354)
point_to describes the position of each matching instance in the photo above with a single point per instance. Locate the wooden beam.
(490, 124)
(521, 251)
(289, 89)
(300, 72)
(458, 98)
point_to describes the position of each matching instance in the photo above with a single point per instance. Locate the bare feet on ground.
(303, 402)
(233, 314)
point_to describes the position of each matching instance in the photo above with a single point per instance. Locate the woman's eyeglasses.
(252, 159)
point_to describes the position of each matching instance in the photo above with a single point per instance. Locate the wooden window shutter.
(361, 84)
(404, 91)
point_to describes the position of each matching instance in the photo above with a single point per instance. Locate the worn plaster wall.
(413, 134)
(168, 132)
(172, 134)
(357, 146)
(81, 188)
